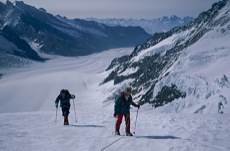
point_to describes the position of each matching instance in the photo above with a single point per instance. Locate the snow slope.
(201, 71)
(35, 87)
(27, 113)
(37, 131)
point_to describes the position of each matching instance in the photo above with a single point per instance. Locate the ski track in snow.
(27, 119)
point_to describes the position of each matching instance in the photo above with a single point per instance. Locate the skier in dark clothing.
(64, 98)
(121, 108)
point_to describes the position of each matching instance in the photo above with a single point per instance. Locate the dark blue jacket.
(122, 106)
(64, 102)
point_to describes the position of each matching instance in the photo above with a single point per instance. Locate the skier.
(121, 108)
(64, 98)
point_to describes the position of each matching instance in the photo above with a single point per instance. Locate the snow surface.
(27, 113)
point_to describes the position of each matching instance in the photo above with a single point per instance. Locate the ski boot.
(129, 134)
(66, 123)
(117, 132)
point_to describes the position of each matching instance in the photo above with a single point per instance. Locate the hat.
(62, 91)
(128, 90)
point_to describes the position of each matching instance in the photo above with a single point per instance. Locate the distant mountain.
(150, 25)
(15, 51)
(184, 69)
(59, 35)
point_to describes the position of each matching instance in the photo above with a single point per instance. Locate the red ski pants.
(119, 121)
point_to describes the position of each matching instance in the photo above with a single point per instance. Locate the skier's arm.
(72, 96)
(135, 105)
(117, 104)
(56, 101)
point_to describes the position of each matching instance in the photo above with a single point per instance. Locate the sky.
(146, 9)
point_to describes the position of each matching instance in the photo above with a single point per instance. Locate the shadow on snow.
(159, 137)
(87, 125)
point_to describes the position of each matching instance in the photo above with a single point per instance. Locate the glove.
(73, 96)
(138, 106)
(56, 105)
(115, 114)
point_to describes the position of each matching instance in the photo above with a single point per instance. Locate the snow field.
(94, 130)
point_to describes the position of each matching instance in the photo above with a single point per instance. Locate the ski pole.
(56, 115)
(135, 122)
(74, 111)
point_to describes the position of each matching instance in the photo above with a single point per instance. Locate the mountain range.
(181, 68)
(29, 31)
(151, 26)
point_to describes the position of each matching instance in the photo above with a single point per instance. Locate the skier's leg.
(65, 114)
(65, 118)
(119, 121)
(127, 122)
(63, 111)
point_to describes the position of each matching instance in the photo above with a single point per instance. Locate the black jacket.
(64, 102)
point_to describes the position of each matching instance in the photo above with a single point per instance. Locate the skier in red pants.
(64, 98)
(121, 108)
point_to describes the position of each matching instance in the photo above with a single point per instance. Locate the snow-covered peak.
(151, 26)
(18, 3)
(11, 16)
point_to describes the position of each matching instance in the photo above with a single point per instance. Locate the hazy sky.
(147, 9)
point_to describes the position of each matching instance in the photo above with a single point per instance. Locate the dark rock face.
(26, 50)
(167, 95)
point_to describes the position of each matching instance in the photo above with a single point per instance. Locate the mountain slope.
(14, 51)
(178, 66)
